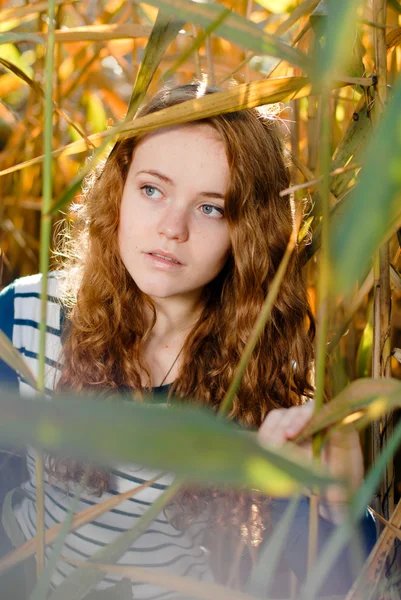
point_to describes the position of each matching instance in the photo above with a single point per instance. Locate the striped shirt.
(161, 546)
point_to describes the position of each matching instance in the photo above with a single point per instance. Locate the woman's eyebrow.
(166, 179)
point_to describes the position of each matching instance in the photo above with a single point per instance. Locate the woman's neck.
(163, 348)
(174, 317)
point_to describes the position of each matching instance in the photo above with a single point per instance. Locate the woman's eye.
(210, 210)
(150, 190)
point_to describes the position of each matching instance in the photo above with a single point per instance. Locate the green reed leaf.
(235, 28)
(11, 38)
(42, 585)
(163, 33)
(374, 206)
(336, 33)
(263, 573)
(188, 441)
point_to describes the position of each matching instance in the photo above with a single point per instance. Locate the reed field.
(72, 77)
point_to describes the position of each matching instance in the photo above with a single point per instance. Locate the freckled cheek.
(216, 254)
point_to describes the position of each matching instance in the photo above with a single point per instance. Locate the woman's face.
(173, 236)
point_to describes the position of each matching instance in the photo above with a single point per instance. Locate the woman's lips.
(163, 262)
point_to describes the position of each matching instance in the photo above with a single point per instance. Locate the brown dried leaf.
(99, 33)
(393, 38)
(374, 566)
(80, 519)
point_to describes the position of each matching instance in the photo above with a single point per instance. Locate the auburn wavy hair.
(103, 337)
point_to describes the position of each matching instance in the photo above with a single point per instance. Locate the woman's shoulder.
(30, 286)
(20, 317)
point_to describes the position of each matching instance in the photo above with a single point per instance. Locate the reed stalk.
(323, 306)
(45, 235)
(260, 324)
(381, 363)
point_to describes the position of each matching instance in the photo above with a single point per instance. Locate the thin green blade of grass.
(196, 44)
(258, 328)
(186, 440)
(45, 235)
(81, 581)
(165, 30)
(14, 359)
(265, 570)
(373, 205)
(342, 535)
(42, 585)
(235, 28)
(12, 38)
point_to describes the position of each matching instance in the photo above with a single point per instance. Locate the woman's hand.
(342, 453)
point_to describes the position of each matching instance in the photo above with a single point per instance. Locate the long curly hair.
(104, 337)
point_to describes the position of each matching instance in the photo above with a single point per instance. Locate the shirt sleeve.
(13, 465)
(345, 569)
(8, 377)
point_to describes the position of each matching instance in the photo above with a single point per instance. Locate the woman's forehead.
(186, 142)
(173, 131)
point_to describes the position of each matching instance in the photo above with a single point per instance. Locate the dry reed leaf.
(99, 33)
(391, 526)
(80, 519)
(393, 38)
(351, 400)
(29, 9)
(395, 278)
(375, 564)
(248, 95)
(304, 9)
(184, 585)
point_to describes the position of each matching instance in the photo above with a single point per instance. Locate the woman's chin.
(159, 290)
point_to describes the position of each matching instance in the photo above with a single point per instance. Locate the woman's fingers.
(341, 454)
(283, 424)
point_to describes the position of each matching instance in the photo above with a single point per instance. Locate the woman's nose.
(173, 224)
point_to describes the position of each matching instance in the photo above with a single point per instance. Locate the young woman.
(174, 247)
